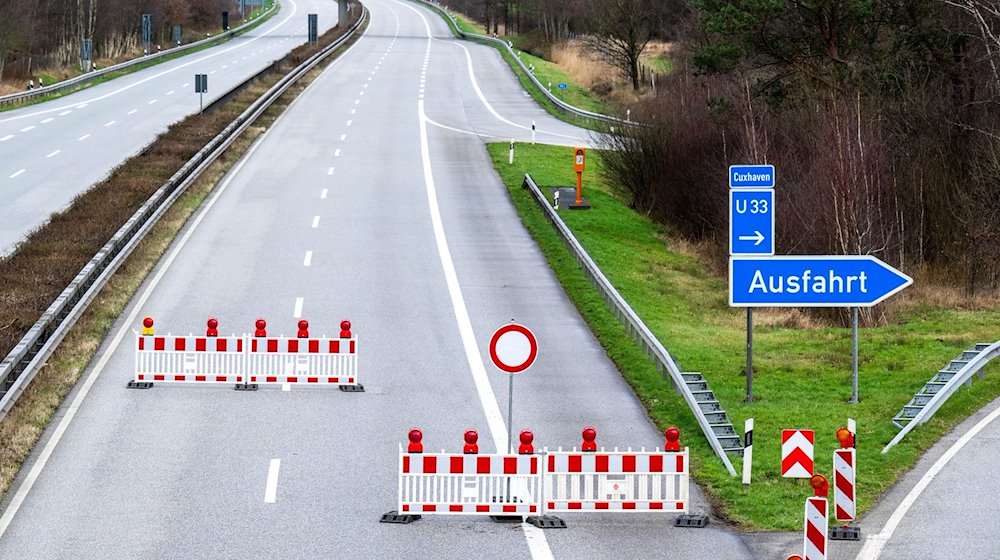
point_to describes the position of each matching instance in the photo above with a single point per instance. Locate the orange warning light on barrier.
(820, 485)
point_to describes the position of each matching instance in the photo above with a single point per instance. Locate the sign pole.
(510, 412)
(749, 372)
(854, 355)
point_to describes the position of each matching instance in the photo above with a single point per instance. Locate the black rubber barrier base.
(506, 518)
(546, 522)
(845, 534)
(691, 520)
(354, 389)
(140, 385)
(400, 518)
(246, 387)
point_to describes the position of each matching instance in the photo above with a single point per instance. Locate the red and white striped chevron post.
(814, 537)
(797, 453)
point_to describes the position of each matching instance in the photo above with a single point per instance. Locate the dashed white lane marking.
(271, 489)
(52, 154)
(343, 137)
(27, 128)
(48, 120)
(298, 308)
(364, 86)
(308, 260)
(213, 71)
(322, 194)
(107, 124)
(151, 102)
(875, 543)
(357, 101)
(329, 171)
(133, 111)
(17, 173)
(337, 153)
(64, 113)
(224, 66)
(6, 138)
(84, 137)
(353, 111)
(349, 123)
(361, 93)
(315, 222)
(171, 92)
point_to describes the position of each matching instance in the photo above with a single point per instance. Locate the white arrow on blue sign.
(751, 222)
(812, 281)
(751, 176)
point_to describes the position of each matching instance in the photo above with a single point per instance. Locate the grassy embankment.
(802, 375)
(66, 73)
(42, 266)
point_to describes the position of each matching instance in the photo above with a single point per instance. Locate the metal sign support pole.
(510, 412)
(749, 371)
(854, 355)
(201, 102)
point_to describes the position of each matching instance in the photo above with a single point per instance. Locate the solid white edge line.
(469, 132)
(271, 489)
(535, 538)
(875, 543)
(102, 362)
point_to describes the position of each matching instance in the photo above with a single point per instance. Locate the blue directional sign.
(812, 281)
(562, 86)
(751, 222)
(751, 176)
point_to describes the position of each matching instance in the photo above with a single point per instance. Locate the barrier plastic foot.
(845, 534)
(354, 389)
(691, 520)
(246, 387)
(546, 522)
(506, 518)
(396, 517)
(140, 385)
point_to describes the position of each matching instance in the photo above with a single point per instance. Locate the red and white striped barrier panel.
(843, 485)
(468, 483)
(246, 360)
(797, 453)
(303, 361)
(189, 359)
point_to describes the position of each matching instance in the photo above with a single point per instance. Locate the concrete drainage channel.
(23, 362)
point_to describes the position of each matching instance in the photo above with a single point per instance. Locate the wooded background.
(39, 34)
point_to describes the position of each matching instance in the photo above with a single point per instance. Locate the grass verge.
(62, 246)
(132, 69)
(802, 375)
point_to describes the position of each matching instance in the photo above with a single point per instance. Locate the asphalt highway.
(355, 205)
(51, 152)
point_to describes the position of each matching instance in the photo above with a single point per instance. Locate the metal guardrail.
(960, 378)
(559, 103)
(30, 354)
(73, 83)
(634, 325)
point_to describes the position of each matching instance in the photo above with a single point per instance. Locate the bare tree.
(621, 30)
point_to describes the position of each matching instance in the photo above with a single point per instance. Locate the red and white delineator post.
(844, 487)
(616, 481)
(814, 537)
(247, 361)
(468, 483)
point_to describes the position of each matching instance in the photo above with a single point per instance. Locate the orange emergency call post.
(579, 164)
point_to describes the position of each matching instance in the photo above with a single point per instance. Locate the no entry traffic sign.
(513, 348)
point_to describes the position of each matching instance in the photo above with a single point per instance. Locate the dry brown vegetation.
(42, 266)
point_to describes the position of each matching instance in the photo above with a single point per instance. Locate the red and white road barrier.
(814, 526)
(468, 483)
(189, 359)
(246, 360)
(843, 485)
(533, 484)
(616, 480)
(797, 453)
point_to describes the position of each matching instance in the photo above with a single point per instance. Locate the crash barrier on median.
(535, 484)
(247, 361)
